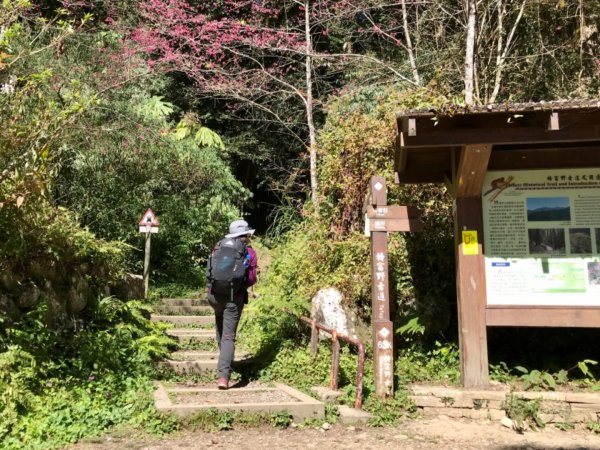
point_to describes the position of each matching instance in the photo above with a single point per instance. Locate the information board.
(542, 237)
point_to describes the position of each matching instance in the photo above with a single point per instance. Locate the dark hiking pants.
(228, 311)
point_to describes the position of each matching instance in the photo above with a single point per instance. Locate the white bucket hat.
(239, 228)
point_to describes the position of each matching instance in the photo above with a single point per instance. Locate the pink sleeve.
(251, 279)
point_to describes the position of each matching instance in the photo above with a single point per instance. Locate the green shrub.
(61, 385)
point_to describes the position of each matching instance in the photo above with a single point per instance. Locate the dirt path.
(440, 433)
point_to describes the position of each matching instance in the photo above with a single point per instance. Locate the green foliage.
(332, 413)
(297, 366)
(330, 250)
(281, 419)
(583, 366)
(213, 420)
(146, 152)
(439, 364)
(536, 379)
(387, 412)
(411, 328)
(593, 425)
(60, 385)
(545, 380)
(523, 412)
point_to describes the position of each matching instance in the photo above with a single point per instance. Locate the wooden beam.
(545, 158)
(516, 135)
(471, 292)
(543, 317)
(400, 156)
(472, 167)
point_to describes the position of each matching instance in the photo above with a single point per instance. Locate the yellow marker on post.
(469, 243)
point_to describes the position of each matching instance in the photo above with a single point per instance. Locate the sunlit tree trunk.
(309, 106)
(409, 46)
(470, 51)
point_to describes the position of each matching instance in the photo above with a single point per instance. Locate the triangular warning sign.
(149, 219)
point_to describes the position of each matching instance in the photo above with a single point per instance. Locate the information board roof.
(523, 136)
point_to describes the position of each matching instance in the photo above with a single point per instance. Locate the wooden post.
(149, 225)
(380, 219)
(383, 331)
(470, 266)
(147, 264)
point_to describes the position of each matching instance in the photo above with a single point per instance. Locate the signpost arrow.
(392, 218)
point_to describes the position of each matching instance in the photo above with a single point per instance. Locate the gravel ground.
(438, 433)
(241, 396)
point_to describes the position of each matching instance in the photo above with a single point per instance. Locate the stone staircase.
(193, 326)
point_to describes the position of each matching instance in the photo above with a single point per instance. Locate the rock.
(9, 281)
(129, 288)
(8, 311)
(29, 297)
(78, 295)
(506, 422)
(326, 426)
(327, 309)
(56, 312)
(40, 270)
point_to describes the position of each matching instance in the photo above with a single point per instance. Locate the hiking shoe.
(223, 383)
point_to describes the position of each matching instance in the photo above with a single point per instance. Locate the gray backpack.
(226, 267)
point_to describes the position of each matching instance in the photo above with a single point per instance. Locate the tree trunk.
(502, 54)
(309, 107)
(470, 51)
(409, 46)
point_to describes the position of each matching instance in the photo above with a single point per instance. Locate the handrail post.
(335, 360)
(359, 376)
(314, 338)
(335, 355)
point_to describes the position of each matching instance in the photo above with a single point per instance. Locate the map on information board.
(542, 237)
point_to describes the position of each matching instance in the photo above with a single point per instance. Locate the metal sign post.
(379, 220)
(149, 225)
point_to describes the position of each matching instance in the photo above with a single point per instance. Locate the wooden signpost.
(380, 219)
(149, 225)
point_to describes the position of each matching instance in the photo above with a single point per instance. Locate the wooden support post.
(470, 289)
(383, 331)
(335, 361)
(147, 264)
(314, 338)
(470, 266)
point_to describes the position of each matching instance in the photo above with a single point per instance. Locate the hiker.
(230, 271)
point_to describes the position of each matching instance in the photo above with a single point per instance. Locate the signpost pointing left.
(149, 225)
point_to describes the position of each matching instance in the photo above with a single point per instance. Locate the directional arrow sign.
(393, 212)
(389, 225)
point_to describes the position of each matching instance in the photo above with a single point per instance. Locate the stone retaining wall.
(555, 407)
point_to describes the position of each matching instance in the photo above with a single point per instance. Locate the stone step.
(199, 361)
(183, 310)
(184, 301)
(191, 333)
(184, 320)
(350, 416)
(267, 400)
(192, 355)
